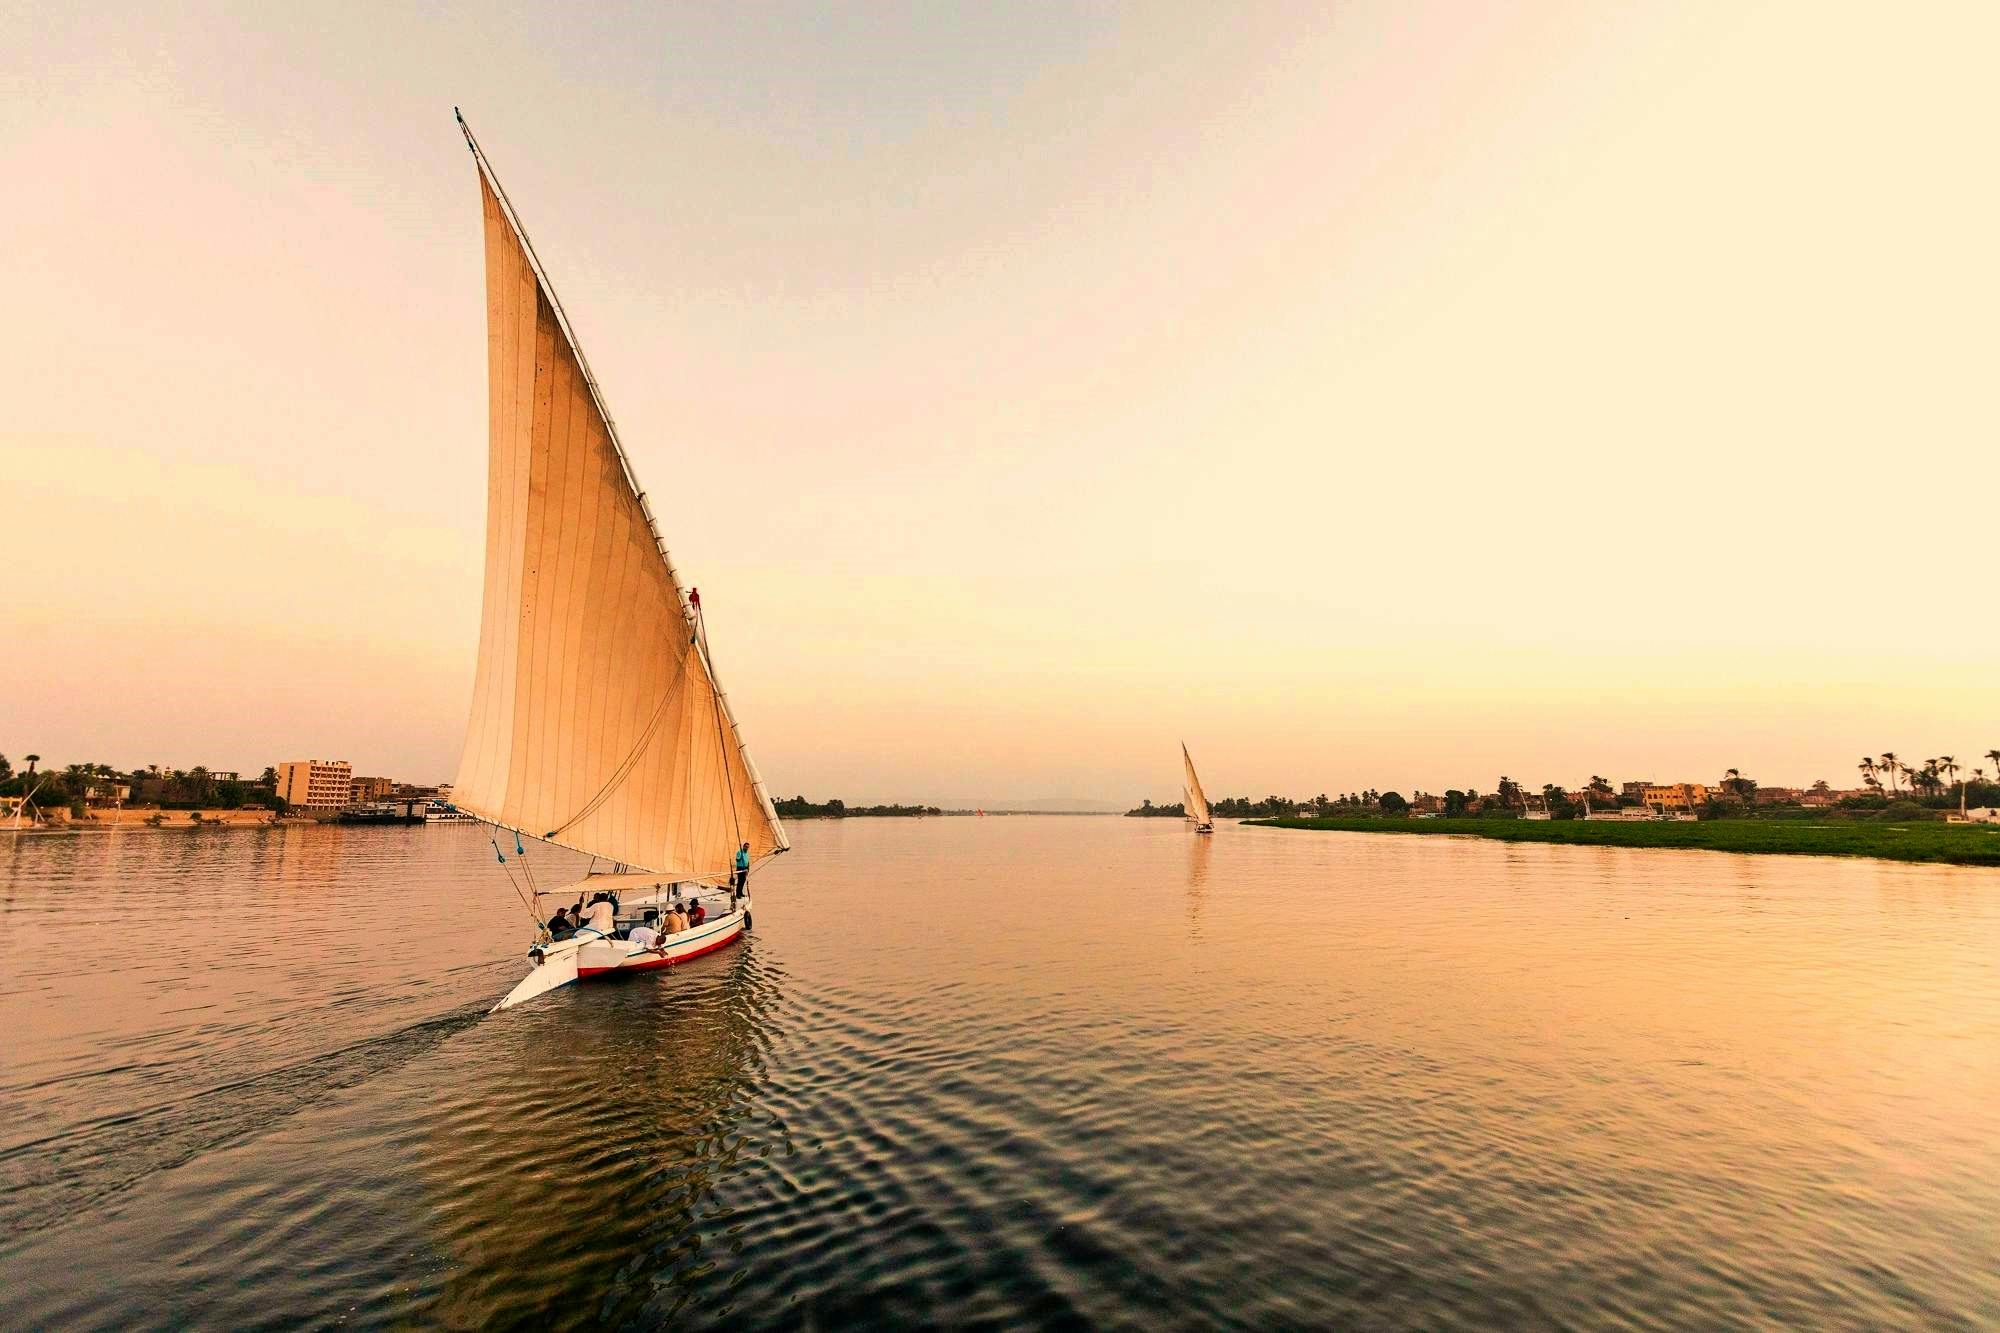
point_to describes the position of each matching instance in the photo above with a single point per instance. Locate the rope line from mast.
(721, 731)
(623, 771)
(512, 884)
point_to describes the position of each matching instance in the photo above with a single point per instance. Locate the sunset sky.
(1387, 395)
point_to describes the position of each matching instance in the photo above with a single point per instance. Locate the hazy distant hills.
(1042, 805)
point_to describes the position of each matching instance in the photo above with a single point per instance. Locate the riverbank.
(249, 816)
(1952, 844)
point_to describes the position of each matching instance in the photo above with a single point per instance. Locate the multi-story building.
(1677, 796)
(371, 789)
(316, 784)
(1634, 791)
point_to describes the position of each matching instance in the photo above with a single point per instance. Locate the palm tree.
(1867, 770)
(1949, 767)
(1889, 764)
(1994, 755)
(32, 759)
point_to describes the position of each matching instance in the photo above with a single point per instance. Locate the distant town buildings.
(316, 784)
(371, 789)
(1677, 796)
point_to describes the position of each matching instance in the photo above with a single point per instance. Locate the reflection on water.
(1007, 1070)
(1200, 848)
(606, 1152)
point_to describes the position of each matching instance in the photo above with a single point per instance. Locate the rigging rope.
(502, 857)
(721, 732)
(623, 771)
(527, 871)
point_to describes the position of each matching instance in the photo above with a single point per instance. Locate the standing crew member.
(742, 868)
(600, 916)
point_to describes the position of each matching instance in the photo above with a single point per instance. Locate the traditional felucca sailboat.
(1193, 801)
(597, 722)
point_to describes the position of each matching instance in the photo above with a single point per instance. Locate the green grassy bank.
(1956, 844)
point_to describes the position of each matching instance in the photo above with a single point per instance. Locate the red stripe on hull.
(583, 973)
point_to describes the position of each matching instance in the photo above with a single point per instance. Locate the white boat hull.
(589, 956)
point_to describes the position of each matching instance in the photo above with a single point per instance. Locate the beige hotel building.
(316, 784)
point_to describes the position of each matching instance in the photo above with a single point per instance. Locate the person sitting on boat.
(696, 914)
(676, 920)
(559, 925)
(643, 934)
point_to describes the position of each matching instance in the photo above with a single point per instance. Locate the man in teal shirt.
(743, 867)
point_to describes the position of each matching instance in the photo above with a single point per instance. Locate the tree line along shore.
(1893, 792)
(151, 794)
(1932, 841)
(798, 807)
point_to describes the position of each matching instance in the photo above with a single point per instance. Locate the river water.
(1006, 1071)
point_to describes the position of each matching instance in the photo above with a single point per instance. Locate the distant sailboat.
(597, 722)
(1193, 801)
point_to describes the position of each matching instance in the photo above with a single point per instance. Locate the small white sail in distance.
(597, 722)
(1195, 802)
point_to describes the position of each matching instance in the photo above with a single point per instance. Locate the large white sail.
(1196, 801)
(596, 720)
